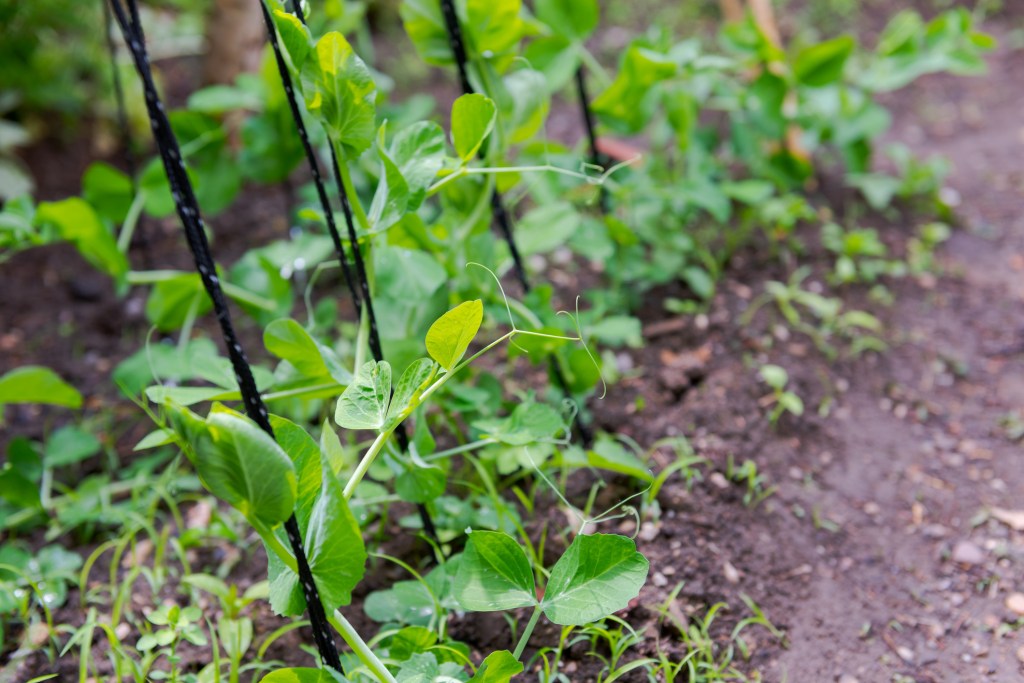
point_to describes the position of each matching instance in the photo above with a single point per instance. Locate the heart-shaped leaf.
(472, 120)
(498, 667)
(37, 384)
(339, 89)
(364, 403)
(450, 335)
(597, 575)
(411, 384)
(494, 574)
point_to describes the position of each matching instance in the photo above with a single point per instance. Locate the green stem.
(350, 191)
(359, 646)
(124, 239)
(594, 67)
(274, 543)
(367, 460)
(527, 632)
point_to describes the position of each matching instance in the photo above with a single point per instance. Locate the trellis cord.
(188, 212)
(588, 124)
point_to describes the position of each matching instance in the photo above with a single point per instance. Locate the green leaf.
(530, 101)
(304, 453)
(774, 376)
(612, 455)
(37, 384)
(410, 164)
(364, 403)
(492, 27)
(294, 37)
(340, 91)
(473, 119)
(424, 23)
(108, 190)
(572, 19)
(494, 574)
(421, 484)
(288, 340)
(623, 103)
(547, 227)
(334, 546)
(69, 445)
(530, 422)
(304, 675)
(451, 334)
(77, 222)
(239, 463)
(411, 384)
(172, 301)
(822, 64)
(597, 576)
(498, 667)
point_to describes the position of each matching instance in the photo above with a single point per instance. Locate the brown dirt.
(876, 553)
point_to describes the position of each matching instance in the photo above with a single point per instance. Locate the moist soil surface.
(890, 545)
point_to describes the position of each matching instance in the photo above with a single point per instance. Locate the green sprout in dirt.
(785, 401)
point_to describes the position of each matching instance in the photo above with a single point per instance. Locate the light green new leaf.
(529, 422)
(597, 576)
(571, 19)
(822, 64)
(364, 403)
(238, 462)
(418, 151)
(173, 300)
(450, 335)
(288, 340)
(774, 376)
(622, 105)
(411, 384)
(339, 89)
(473, 118)
(37, 384)
(546, 227)
(498, 667)
(304, 675)
(424, 23)
(530, 101)
(294, 37)
(494, 574)
(77, 222)
(492, 26)
(612, 455)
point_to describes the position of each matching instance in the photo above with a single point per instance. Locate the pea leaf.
(492, 26)
(547, 227)
(304, 675)
(597, 575)
(364, 403)
(529, 422)
(69, 445)
(238, 462)
(473, 118)
(822, 64)
(304, 453)
(612, 455)
(288, 340)
(294, 37)
(622, 105)
(450, 335)
(409, 166)
(171, 301)
(498, 667)
(37, 384)
(572, 19)
(334, 546)
(420, 484)
(494, 574)
(77, 222)
(424, 23)
(107, 190)
(411, 384)
(339, 89)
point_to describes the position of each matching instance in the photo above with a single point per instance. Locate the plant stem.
(359, 646)
(367, 460)
(124, 239)
(527, 632)
(350, 191)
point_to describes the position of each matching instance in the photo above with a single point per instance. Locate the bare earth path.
(921, 582)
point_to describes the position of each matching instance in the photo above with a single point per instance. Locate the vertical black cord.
(588, 124)
(314, 166)
(451, 21)
(188, 212)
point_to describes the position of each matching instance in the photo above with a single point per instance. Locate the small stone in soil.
(1015, 603)
(966, 552)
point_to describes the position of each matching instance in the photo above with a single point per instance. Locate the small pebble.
(965, 552)
(1015, 603)
(732, 575)
(847, 678)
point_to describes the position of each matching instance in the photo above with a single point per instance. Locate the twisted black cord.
(188, 212)
(588, 123)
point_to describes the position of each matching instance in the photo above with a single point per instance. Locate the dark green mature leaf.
(597, 575)
(305, 455)
(571, 19)
(364, 403)
(529, 422)
(172, 301)
(612, 455)
(411, 384)
(77, 222)
(421, 484)
(822, 64)
(409, 165)
(37, 384)
(494, 574)
(334, 546)
(451, 334)
(340, 90)
(498, 667)
(288, 340)
(547, 227)
(473, 119)
(107, 190)
(238, 462)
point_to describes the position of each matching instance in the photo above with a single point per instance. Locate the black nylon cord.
(314, 166)
(188, 212)
(451, 21)
(588, 123)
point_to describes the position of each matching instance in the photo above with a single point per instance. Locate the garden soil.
(891, 545)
